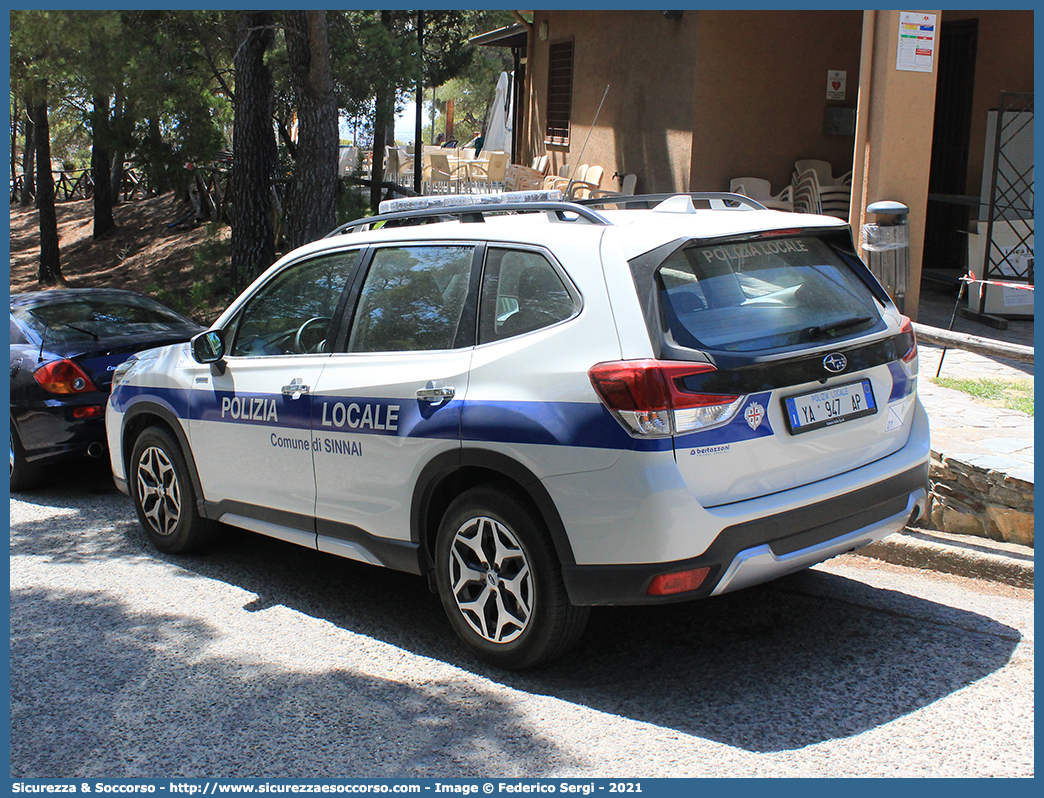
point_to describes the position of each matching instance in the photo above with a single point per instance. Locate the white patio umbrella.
(498, 131)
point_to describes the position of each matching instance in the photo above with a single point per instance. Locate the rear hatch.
(782, 362)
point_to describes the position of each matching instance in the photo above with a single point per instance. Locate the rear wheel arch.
(452, 473)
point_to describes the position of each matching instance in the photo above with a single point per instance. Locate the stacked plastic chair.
(759, 189)
(817, 190)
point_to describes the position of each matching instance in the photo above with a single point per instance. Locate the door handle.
(436, 394)
(296, 388)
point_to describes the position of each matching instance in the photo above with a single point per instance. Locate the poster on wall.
(916, 50)
(836, 80)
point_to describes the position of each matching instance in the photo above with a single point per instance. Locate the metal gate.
(1011, 197)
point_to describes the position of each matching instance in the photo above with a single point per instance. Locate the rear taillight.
(910, 358)
(63, 377)
(650, 399)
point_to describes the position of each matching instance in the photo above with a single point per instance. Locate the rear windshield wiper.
(812, 333)
(78, 329)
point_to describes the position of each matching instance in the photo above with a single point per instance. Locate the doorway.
(950, 205)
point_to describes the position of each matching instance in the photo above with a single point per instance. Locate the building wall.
(641, 128)
(761, 85)
(895, 147)
(697, 101)
(715, 95)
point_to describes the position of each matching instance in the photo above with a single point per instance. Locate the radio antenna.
(579, 158)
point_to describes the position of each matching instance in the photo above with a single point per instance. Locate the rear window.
(88, 317)
(766, 294)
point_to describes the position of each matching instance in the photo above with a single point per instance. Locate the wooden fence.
(209, 193)
(973, 343)
(78, 185)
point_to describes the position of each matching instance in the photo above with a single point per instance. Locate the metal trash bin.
(887, 245)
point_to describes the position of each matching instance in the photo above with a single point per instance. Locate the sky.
(405, 123)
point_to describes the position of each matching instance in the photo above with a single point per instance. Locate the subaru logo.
(835, 363)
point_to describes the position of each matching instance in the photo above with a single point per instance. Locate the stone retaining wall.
(971, 499)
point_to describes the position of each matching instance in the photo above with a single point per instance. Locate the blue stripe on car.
(577, 424)
(902, 386)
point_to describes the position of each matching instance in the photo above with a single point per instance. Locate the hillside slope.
(185, 268)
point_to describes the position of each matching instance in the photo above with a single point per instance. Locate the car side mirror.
(208, 347)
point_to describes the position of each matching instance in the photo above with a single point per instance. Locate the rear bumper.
(766, 548)
(49, 433)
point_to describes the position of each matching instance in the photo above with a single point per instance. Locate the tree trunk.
(121, 114)
(101, 168)
(119, 171)
(384, 115)
(152, 171)
(313, 193)
(29, 156)
(14, 141)
(50, 263)
(254, 151)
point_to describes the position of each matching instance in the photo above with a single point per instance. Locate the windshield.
(93, 317)
(764, 294)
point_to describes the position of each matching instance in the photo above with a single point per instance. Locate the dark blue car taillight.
(63, 377)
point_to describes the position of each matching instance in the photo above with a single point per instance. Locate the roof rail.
(716, 199)
(473, 208)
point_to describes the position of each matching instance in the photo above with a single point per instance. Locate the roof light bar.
(467, 200)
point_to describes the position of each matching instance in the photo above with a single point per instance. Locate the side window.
(413, 299)
(294, 313)
(521, 291)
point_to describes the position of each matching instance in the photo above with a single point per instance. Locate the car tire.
(164, 496)
(501, 583)
(24, 475)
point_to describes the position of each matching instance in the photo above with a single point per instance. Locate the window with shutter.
(559, 92)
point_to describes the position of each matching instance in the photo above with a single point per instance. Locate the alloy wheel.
(158, 491)
(491, 581)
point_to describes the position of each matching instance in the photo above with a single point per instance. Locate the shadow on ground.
(806, 659)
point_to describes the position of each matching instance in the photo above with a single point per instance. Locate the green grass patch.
(1012, 394)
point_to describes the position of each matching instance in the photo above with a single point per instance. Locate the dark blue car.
(65, 345)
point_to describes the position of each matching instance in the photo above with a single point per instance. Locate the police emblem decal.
(754, 415)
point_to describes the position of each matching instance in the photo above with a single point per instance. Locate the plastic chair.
(834, 192)
(561, 180)
(348, 160)
(492, 174)
(440, 176)
(522, 178)
(805, 193)
(824, 172)
(393, 158)
(759, 189)
(628, 183)
(832, 200)
(581, 187)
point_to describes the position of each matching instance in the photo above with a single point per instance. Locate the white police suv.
(542, 406)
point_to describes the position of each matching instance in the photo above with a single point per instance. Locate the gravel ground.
(265, 659)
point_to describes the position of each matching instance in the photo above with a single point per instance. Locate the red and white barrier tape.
(970, 278)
